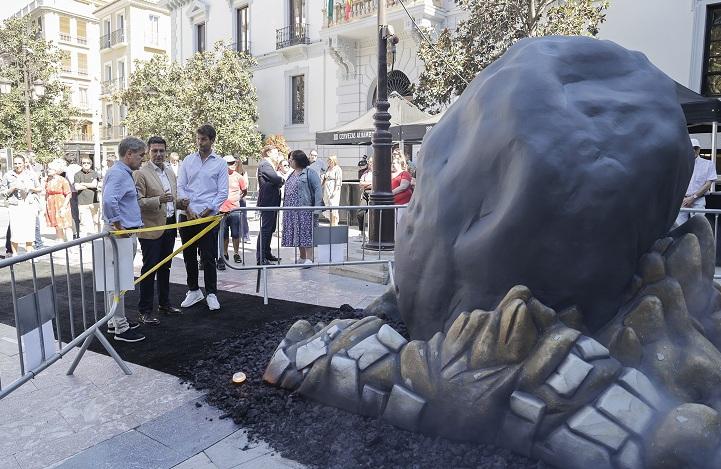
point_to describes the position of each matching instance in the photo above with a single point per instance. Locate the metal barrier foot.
(108, 347)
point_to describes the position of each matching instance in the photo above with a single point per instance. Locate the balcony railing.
(292, 35)
(81, 137)
(83, 71)
(111, 86)
(114, 132)
(65, 37)
(109, 40)
(364, 8)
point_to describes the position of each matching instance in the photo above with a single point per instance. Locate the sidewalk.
(100, 417)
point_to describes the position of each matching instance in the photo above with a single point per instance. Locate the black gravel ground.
(206, 349)
(314, 434)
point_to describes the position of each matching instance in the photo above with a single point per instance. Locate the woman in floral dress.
(302, 189)
(57, 207)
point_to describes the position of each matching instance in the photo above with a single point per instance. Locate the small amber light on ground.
(239, 377)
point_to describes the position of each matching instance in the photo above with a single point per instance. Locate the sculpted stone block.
(278, 364)
(626, 409)
(593, 425)
(527, 406)
(372, 401)
(310, 352)
(368, 351)
(636, 382)
(567, 450)
(569, 376)
(404, 408)
(390, 338)
(630, 456)
(590, 349)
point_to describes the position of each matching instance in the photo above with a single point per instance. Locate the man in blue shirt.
(202, 189)
(122, 212)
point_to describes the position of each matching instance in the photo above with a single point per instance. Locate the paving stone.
(391, 338)
(278, 364)
(373, 400)
(129, 450)
(404, 408)
(564, 449)
(636, 382)
(589, 349)
(188, 429)
(595, 426)
(368, 351)
(569, 375)
(199, 461)
(630, 456)
(343, 378)
(9, 462)
(235, 450)
(310, 352)
(527, 406)
(625, 408)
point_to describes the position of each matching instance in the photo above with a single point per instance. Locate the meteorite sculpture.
(552, 310)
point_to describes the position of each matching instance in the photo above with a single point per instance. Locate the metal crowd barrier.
(374, 258)
(90, 324)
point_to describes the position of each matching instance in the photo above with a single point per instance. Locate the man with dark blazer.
(157, 193)
(269, 184)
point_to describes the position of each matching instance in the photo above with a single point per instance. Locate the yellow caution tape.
(214, 221)
(197, 221)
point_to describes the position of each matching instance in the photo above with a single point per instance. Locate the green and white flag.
(330, 9)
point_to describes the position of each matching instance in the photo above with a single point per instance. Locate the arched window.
(398, 82)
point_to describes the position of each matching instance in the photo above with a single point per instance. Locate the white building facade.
(130, 30)
(315, 70)
(72, 27)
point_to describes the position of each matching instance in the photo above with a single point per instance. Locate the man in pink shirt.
(237, 189)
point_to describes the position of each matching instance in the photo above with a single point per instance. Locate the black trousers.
(8, 244)
(75, 212)
(268, 224)
(207, 247)
(154, 251)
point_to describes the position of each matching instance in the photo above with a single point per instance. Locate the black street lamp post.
(381, 222)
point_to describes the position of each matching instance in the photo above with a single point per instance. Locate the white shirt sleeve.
(711, 173)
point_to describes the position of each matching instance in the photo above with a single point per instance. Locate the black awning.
(698, 109)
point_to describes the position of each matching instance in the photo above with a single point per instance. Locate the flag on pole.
(348, 4)
(330, 9)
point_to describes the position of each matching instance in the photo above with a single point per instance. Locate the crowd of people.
(166, 190)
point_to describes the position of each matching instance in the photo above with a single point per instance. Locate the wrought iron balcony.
(292, 35)
(114, 132)
(109, 40)
(360, 9)
(81, 137)
(111, 86)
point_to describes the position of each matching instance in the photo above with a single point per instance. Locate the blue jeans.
(38, 238)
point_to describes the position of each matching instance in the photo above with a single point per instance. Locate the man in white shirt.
(202, 189)
(704, 174)
(72, 168)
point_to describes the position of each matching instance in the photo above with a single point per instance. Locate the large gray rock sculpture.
(560, 165)
(550, 309)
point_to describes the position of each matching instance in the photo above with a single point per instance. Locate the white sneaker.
(191, 298)
(212, 301)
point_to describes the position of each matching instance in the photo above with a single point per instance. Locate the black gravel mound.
(314, 434)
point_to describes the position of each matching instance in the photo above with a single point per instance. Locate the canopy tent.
(406, 125)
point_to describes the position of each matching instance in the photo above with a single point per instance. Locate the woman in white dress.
(20, 186)
(332, 182)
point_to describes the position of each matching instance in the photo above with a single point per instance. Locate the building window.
(109, 115)
(200, 37)
(108, 72)
(152, 35)
(67, 63)
(65, 28)
(82, 32)
(297, 89)
(711, 85)
(83, 98)
(82, 64)
(241, 33)
(297, 12)
(121, 75)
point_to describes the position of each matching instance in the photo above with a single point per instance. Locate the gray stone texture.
(590, 349)
(562, 99)
(527, 406)
(517, 434)
(278, 364)
(593, 425)
(367, 351)
(343, 378)
(636, 382)
(626, 409)
(372, 401)
(391, 338)
(306, 354)
(404, 408)
(564, 449)
(569, 375)
(630, 456)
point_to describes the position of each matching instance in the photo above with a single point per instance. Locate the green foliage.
(172, 100)
(491, 27)
(24, 51)
(279, 142)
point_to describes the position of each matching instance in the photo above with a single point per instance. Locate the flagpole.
(381, 228)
